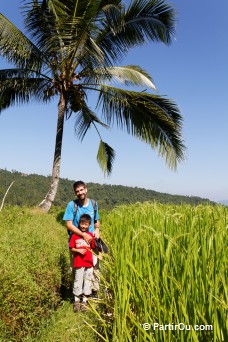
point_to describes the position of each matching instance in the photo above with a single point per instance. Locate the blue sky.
(193, 71)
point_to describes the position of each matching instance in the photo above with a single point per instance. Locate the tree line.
(28, 189)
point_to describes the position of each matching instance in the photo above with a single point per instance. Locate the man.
(84, 206)
(74, 210)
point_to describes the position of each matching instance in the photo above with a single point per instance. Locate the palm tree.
(73, 48)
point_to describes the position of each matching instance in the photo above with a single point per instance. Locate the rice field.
(165, 278)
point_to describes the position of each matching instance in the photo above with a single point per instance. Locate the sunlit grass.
(66, 326)
(167, 265)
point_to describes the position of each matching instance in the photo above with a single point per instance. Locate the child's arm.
(79, 250)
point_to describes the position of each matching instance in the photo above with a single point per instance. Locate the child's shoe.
(84, 306)
(84, 303)
(77, 306)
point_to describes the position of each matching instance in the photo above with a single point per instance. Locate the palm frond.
(42, 26)
(143, 21)
(153, 119)
(154, 19)
(82, 29)
(132, 75)
(22, 90)
(128, 75)
(105, 157)
(65, 30)
(6, 74)
(84, 118)
(16, 48)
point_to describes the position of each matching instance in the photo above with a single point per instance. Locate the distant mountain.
(30, 190)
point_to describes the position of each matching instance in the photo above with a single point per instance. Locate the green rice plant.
(167, 267)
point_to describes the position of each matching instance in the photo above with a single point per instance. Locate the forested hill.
(30, 189)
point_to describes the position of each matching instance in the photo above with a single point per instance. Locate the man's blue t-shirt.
(69, 213)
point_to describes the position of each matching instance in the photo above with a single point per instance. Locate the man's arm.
(97, 229)
(72, 228)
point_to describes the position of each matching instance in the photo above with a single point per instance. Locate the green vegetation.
(67, 326)
(33, 270)
(28, 190)
(167, 265)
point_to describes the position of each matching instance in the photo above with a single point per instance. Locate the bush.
(33, 266)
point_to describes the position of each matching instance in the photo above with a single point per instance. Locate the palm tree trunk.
(45, 205)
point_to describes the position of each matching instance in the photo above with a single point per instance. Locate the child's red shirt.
(80, 260)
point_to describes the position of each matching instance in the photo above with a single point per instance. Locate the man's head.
(80, 190)
(84, 222)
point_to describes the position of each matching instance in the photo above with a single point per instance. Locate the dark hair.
(85, 218)
(77, 184)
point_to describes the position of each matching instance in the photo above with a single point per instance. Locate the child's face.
(84, 226)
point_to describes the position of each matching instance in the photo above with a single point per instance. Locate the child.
(83, 264)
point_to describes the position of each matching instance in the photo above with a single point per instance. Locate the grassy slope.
(34, 258)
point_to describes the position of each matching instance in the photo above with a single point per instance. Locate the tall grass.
(167, 265)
